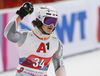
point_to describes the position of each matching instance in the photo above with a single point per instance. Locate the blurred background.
(4, 4)
(78, 28)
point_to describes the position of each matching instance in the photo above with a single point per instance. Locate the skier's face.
(48, 29)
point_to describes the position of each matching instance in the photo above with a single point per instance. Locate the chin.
(49, 32)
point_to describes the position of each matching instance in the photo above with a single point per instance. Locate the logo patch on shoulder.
(30, 34)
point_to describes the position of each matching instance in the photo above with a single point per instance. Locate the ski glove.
(26, 9)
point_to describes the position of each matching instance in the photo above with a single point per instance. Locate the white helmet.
(46, 15)
(46, 11)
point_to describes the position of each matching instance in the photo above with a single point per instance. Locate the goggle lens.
(50, 20)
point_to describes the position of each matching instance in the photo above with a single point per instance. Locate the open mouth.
(50, 28)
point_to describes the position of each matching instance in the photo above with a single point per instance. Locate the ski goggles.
(50, 20)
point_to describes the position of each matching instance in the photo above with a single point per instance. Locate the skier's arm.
(58, 61)
(10, 31)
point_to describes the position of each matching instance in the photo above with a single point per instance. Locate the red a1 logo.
(42, 47)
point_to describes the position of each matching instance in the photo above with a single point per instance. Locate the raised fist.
(26, 9)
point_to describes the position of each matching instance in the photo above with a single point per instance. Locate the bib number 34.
(38, 62)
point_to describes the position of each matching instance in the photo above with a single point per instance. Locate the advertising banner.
(94, 17)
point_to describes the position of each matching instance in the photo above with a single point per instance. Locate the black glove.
(26, 9)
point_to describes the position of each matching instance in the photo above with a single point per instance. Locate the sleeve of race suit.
(58, 57)
(11, 32)
(58, 61)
